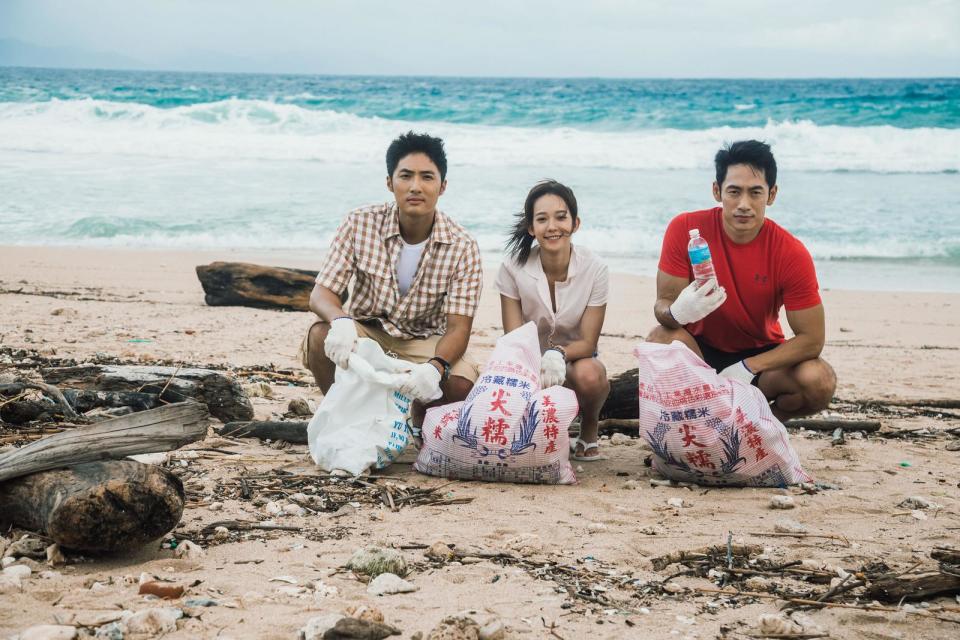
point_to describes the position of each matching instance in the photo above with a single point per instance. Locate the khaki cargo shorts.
(414, 350)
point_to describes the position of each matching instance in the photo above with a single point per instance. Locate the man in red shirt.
(732, 320)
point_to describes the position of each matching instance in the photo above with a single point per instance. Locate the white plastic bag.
(361, 422)
(707, 429)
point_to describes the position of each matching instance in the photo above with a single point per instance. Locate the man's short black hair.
(411, 142)
(749, 152)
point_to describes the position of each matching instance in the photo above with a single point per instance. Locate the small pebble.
(216, 506)
(677, 503)
(782, 502)
(388, 584)
(786, 525)
(596, 527)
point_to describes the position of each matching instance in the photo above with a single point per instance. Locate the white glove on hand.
(422, 383)
(553, 368)
(738, 371)
(341, 340)
(696, 302)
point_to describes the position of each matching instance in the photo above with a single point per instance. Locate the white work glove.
(341, 340)
(422, 383)
(696, 302)
(553, 368)
(738, 371)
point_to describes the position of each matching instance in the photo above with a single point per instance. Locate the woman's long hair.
(520, 241)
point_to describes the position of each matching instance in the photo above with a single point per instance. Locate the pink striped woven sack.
(709, 430)
(508, 429)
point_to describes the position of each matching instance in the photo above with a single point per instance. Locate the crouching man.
(732, 321)
(417, 280)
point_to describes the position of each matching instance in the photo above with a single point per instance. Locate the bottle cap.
(694, 233)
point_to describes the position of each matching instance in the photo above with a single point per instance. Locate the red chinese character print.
(551, 431)
(551, 447)
(700, 459)
(689, 437)
(493, 431)
(498, 401)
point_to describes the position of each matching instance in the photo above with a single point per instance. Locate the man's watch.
(445, 373)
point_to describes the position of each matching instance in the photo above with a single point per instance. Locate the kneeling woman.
(563, 289)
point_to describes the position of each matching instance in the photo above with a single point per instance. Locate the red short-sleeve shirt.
(772, 270)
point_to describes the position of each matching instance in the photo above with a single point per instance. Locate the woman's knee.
(589, 377)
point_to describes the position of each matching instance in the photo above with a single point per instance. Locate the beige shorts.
(415, 350)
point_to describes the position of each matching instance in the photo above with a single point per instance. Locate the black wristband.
(445, 365)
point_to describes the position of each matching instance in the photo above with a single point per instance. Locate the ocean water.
(869, 170)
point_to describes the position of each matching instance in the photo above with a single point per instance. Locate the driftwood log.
(222, 394)
(252, 285)
(913, 587)
(162, 429)
(293, 432)
(98, 506)
(623, 401)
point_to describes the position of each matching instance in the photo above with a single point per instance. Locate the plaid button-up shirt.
(367, 244)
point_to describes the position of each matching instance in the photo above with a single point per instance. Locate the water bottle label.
(700, 254)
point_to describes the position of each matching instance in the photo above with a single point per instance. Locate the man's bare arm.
(668, 288)
(453, 344)
(809, 328)
(325, 303)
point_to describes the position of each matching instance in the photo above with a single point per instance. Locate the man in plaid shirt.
(417, 280)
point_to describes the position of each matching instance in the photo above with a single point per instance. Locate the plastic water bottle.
(700, 259)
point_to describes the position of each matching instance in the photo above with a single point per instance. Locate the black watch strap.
(444, 364)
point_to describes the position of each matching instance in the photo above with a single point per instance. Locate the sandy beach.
(147, 306)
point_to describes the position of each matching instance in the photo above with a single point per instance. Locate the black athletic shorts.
(720, 360)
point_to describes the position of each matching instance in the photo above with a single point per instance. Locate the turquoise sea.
(869, 169)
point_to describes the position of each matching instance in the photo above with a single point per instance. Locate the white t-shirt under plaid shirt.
(366, 247)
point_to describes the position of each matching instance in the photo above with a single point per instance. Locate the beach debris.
(364, 612)
(458, 627)
(785, 525)
(258, 390)
(218, 391)
(596, 527)
(334, 626)
(622, 439)
(526, 544)
(292, 509)
(373, 561)
(292, 432)
(111, 631)
(776, 625)
(677, 503)
(188, 550)
(17, 571)
(631, 485)
(200, 602)
(165, 590)
(153, 621)
(493, 630)
(168, 427)
(49, 632)
(718, 554)
(782, 502)
(221, 534)
(918, 503)
(299, 407)
(131, 503)
(242, 284)
(388, 584)
(440, 551)
(9, 584)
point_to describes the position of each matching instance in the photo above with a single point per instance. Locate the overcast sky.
(555, 38)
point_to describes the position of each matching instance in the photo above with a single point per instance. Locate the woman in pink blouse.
(563, 290)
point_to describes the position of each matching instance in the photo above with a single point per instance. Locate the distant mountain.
(17, 53)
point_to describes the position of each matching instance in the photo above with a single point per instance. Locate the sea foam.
(264, 130)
